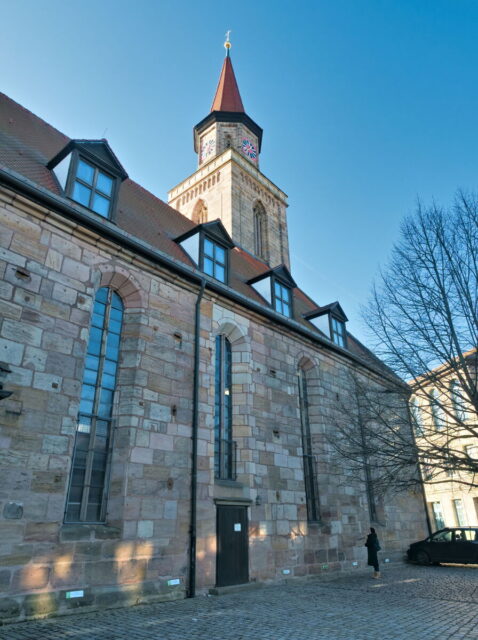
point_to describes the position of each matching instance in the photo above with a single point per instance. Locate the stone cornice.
(216, 164)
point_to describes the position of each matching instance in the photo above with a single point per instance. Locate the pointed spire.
(227, 96)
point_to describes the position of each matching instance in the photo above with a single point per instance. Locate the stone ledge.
(81, 532)
(235, 588)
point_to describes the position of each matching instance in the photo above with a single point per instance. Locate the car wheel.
(422, 557)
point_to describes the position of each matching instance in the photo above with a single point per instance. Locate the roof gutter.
(109, 230)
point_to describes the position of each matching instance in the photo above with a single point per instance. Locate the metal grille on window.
(91, 458)
(310, 478)
(225, 452)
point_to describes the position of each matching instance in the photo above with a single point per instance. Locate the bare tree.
(423, 315)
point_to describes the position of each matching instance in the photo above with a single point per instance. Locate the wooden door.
(232, 560)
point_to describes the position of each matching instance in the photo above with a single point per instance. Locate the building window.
(436, 410)
(281, 298)
(417, 418)
(91, 457)
(92, 188)
(259, 214)
(224, 446)
(199, 212)
(459, 512)
(457, 400)
(310, 477)
(214, 259)
(438, 515)
(337, 329)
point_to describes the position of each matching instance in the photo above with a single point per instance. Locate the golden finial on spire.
(227, 44)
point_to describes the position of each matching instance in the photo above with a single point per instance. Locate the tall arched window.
(199, 212)
(224, 446)
(310, 478)
(91, 457)
(259, 214)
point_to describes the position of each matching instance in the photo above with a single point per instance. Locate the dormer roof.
(98, 151)
(280, 273)
(333, 308)
(215, 229)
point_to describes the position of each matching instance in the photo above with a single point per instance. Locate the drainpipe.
(194, 453)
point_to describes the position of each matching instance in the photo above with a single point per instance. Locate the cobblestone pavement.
(409, 602)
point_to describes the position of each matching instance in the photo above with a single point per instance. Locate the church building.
(167, 392)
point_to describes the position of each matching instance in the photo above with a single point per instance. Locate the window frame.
(275, 298)
(96, 416)
(312, 496)
(202, 255)
(333, 333)
(78, 155)
(260, 234)
(437, 413)
(224, 467)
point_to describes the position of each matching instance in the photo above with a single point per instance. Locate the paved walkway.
(410, 602)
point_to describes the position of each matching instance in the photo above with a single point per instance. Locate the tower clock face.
(208, 148)
(249, 150)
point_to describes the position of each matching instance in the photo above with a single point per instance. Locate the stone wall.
(50, 269)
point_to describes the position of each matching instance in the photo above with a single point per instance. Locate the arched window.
(91, 457)
(228, 141)
(224, 446)
(259, 214)
(310, 477)
(199, 212)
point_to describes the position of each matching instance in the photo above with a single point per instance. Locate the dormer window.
(276, 286)
(282, 299)
(338, 331)
(330, 320)
(92, 188)
(208, 246)
(90, 174)
(214, 259)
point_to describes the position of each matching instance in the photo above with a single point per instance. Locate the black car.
(447, 545)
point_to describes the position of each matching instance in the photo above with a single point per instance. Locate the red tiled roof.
(227, 96)
(27, 143)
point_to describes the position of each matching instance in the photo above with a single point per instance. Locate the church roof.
(227, 96)
(27, 145)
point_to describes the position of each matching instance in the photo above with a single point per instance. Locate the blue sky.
(366, 105)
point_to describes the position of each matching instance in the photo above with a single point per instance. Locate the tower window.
(281, 299)
(199, 212)
(259, 230)
(214, 259)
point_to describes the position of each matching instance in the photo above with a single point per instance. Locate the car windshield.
(441, 536)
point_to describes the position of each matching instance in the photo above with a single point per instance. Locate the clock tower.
(228, 184)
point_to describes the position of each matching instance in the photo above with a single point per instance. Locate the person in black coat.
(373, 547)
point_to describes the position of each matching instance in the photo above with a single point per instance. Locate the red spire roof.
(227, 96)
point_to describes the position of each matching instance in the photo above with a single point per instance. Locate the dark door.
(465, 546)
(232, 561)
